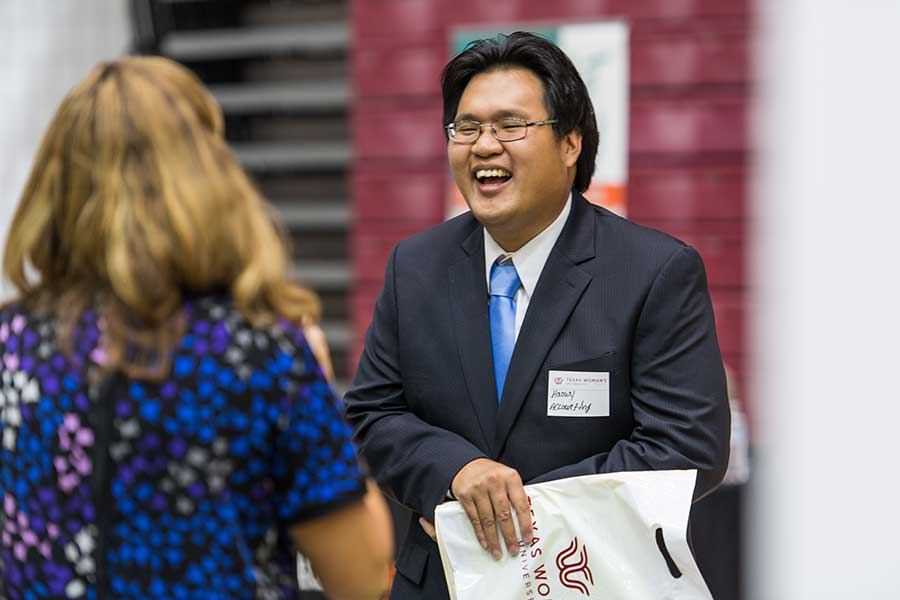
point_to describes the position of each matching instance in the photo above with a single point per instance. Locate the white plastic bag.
(617, 536)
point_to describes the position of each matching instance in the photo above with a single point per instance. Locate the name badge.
(578, 394)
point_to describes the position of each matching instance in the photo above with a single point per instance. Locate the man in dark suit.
(537, 336)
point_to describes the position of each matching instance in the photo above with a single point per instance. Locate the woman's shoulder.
(218, 323)
(18, 317)
(14, 309)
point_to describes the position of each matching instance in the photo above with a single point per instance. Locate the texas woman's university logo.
(574, 572)
(557, 380)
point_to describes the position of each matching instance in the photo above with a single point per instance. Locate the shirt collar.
(530, 258)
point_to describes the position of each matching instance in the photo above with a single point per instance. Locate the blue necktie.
(504, 285)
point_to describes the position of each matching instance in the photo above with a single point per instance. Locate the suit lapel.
(471, 326)
(557, 292)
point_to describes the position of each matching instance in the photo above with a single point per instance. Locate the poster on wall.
(599, 51)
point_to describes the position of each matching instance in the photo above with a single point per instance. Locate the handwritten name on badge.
(577, 394)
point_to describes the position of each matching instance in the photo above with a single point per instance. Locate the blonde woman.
(165, 429)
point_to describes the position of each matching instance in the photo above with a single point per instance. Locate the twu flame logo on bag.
(569, 571)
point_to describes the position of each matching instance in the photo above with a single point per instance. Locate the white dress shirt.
(529, 260)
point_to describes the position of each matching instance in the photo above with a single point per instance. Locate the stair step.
(314, 215)
(337, 333)
(282, 82)
(293, 156)
(325, 274)
(315, 96)
(219, 44)
(305, 11)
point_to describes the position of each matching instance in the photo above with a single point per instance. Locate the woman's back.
(183, 487)
(157, 439)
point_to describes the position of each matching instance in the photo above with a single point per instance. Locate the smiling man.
(486, 322)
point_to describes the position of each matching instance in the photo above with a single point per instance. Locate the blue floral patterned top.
(181, 488)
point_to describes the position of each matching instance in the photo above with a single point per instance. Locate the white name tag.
(578, 394)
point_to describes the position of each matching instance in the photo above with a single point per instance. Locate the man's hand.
(487, 491)
(428, 528)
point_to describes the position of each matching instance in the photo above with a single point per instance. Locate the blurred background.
(334, 107)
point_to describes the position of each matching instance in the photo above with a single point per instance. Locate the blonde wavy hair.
(136, 201)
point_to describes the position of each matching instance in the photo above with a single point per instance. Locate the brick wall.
(689, 141)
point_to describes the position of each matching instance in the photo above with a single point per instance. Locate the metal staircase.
(279, 70)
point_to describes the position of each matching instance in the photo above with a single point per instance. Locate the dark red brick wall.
(689, 142)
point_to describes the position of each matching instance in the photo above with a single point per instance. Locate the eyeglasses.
(508, 129)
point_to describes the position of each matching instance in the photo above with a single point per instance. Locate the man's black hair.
(565, 95)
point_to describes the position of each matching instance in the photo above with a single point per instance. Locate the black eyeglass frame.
(451, 128)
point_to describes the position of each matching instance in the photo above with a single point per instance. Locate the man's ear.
(570, 147)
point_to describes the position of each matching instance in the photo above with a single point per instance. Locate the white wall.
(825, 516)
(46, 46)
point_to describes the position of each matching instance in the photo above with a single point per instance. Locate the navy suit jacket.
(613, 297)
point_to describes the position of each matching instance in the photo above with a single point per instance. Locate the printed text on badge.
(577, 394)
